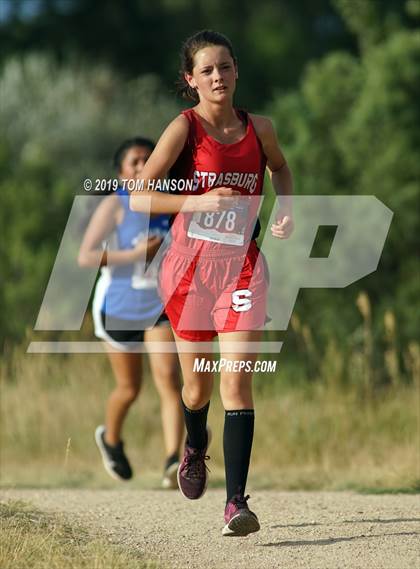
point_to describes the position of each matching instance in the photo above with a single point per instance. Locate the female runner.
(124, 304)
(213, 279)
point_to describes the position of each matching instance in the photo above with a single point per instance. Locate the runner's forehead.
(211, 55)
(137, 153)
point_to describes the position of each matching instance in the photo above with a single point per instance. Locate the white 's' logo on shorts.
(241, 301)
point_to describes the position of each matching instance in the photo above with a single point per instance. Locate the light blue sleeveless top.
(131, 296)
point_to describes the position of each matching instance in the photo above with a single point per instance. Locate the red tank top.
(208, 164)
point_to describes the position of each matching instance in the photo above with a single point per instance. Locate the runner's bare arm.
(157, 167)
(101, 225)
(281, 177)
(280, 174)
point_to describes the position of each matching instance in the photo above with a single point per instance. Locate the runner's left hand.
(283, 228)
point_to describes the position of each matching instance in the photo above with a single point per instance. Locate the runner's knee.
(128, 393)
(168, 383)
(195, 396)
(235, 393)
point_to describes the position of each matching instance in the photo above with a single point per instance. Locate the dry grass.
(30, 538)
(343, 429)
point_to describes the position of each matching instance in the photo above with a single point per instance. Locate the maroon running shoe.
(192, 472)
(240, 521)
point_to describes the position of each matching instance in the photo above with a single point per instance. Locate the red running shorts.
(207, 294)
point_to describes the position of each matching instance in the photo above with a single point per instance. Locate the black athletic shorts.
(124, 331)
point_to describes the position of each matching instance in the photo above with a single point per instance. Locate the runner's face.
(214, 74)
(133, 162)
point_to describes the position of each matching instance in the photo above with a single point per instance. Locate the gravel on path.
(313, 530)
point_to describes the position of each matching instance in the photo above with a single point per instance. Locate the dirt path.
(299, 530)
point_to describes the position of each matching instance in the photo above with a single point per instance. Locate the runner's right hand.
(146, 247)
(218, 199)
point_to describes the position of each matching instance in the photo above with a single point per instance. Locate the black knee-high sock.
(196, 423)
(237, 443)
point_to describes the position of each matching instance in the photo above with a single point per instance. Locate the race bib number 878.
(226, 227)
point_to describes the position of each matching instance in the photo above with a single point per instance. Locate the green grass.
(35, 539)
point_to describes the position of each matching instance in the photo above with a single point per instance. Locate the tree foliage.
(344, 100)
(272, 38)
(61, 125)
(352, 128)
